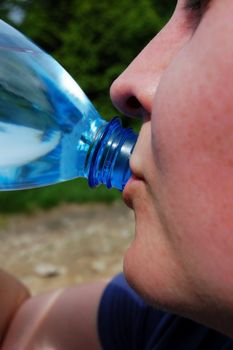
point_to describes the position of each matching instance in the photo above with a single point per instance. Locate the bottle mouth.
(109, 156)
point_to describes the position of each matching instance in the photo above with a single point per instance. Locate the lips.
(130, 190)
(126, 193)
(132, 187)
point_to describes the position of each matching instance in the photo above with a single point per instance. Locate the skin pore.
(182, 193)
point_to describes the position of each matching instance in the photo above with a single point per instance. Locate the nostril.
(133, 103)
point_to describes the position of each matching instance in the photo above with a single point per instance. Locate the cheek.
(192, 140)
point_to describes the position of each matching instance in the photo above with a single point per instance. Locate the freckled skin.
(181, 258)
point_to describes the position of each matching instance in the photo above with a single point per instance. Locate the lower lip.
(130, 189)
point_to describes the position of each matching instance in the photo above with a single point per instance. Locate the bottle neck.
(108, 157)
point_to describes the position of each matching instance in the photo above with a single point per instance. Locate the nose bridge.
(133, 91)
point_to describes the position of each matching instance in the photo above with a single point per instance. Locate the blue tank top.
(126, 322)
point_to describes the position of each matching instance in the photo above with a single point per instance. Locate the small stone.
(125, 233)
(99, 266)
(49, 270)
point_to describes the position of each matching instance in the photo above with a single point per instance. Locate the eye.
(193, 5)
(195, 10)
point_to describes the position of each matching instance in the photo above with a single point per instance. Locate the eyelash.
(194, 5)
(196, 8)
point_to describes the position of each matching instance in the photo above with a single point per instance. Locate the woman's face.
(181, 85)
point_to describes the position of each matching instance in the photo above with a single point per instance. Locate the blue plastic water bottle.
(49, 130)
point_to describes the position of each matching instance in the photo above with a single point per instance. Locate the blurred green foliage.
(94, 41)
(76, 191)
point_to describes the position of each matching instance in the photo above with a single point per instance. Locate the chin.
(132, 270)
(151, 270)
(144, 283)
(147, 261)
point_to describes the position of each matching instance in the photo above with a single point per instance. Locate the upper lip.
(128, 192)
(136, 173)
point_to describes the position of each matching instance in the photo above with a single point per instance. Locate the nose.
(134, 90)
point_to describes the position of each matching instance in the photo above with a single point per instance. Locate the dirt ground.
(67, 245)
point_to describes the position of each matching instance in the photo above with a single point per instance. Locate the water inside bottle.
(46, 121)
